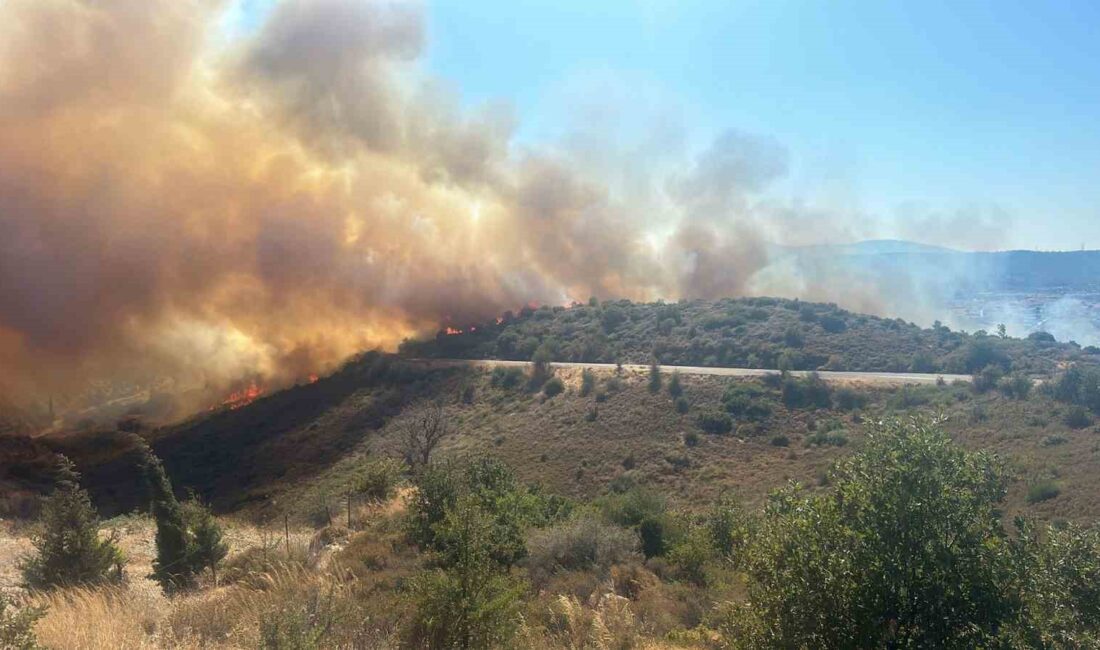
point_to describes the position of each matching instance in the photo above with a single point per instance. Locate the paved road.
(880, 378)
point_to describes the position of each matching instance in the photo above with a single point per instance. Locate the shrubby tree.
(17, 625)
(654, 378)
(422, 431)
(675, 388)
(68, 548)
(188, 539)
(588, 382)
(492, 485)
(907, 550)
(470, 601)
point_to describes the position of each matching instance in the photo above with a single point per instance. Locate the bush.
(1016, 386)
(675, 388)
(827, 438)
(780, 441)
(849, 399)
(1043, 491)
(506, 378)
(654, 378)
(552, 387)
(17, 625)
(714, 423)
(68, 548)
(805, 392)
(588, 382)
(681, 405)
(815, 569)
(691, 554)
(1077, 418)
(691, 439)
(379, 478)
(581, 543)
(472, 603)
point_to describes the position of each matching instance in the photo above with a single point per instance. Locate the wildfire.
(313, 378)
(451, 331)
(243, 397)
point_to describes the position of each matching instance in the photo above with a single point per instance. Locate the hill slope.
(745, 332)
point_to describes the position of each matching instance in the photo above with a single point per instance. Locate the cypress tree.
(172, 567)
(69, 548)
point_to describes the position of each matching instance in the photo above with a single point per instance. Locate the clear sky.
(957, 111)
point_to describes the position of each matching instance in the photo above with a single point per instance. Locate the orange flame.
(450, 331)
(313, 378)
(243, 397)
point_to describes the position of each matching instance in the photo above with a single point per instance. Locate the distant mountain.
(959, 271)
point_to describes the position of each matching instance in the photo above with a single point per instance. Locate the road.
(832, 376)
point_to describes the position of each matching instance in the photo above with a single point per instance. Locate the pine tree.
(654, 377)
(675, 389)
(69, 548)
(172, 567)
(208, 543)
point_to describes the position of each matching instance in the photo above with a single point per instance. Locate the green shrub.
(1016, 386)
(1043, 490)
(588, 382)
(691, 439)
(827, 438)
(681, 405)
(714, 423)
(68, 548)
(675, 388)
(806, 392)
(471, 603)
(849, 399)
(654, 378)
(691, 554)
(780, 441)
(17, 625)
(1077, 418)
(379, 478)
(552, 387)
(581, 543)
(506, 377)
(815, 569)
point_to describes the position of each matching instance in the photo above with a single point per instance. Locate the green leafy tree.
(472, 602)
(68, 548)
(907, 551)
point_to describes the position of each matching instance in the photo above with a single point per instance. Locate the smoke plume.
(176, 202)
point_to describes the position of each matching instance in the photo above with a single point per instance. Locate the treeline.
(746, 332)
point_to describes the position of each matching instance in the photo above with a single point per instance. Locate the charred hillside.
(743, 332)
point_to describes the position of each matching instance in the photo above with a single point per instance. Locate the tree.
(541, 370)
(675, 388)
(588, 382)
(906, 551)
(69, 550)
(422, 432)
(654, 378)
(172, 566)
(471, 602)
(208, 546)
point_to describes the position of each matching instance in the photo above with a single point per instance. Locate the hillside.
(745, 332)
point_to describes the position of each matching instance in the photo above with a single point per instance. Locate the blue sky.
(885, 107)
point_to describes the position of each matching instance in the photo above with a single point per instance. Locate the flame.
(451, 331)
(313, 378)
(243, 397)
